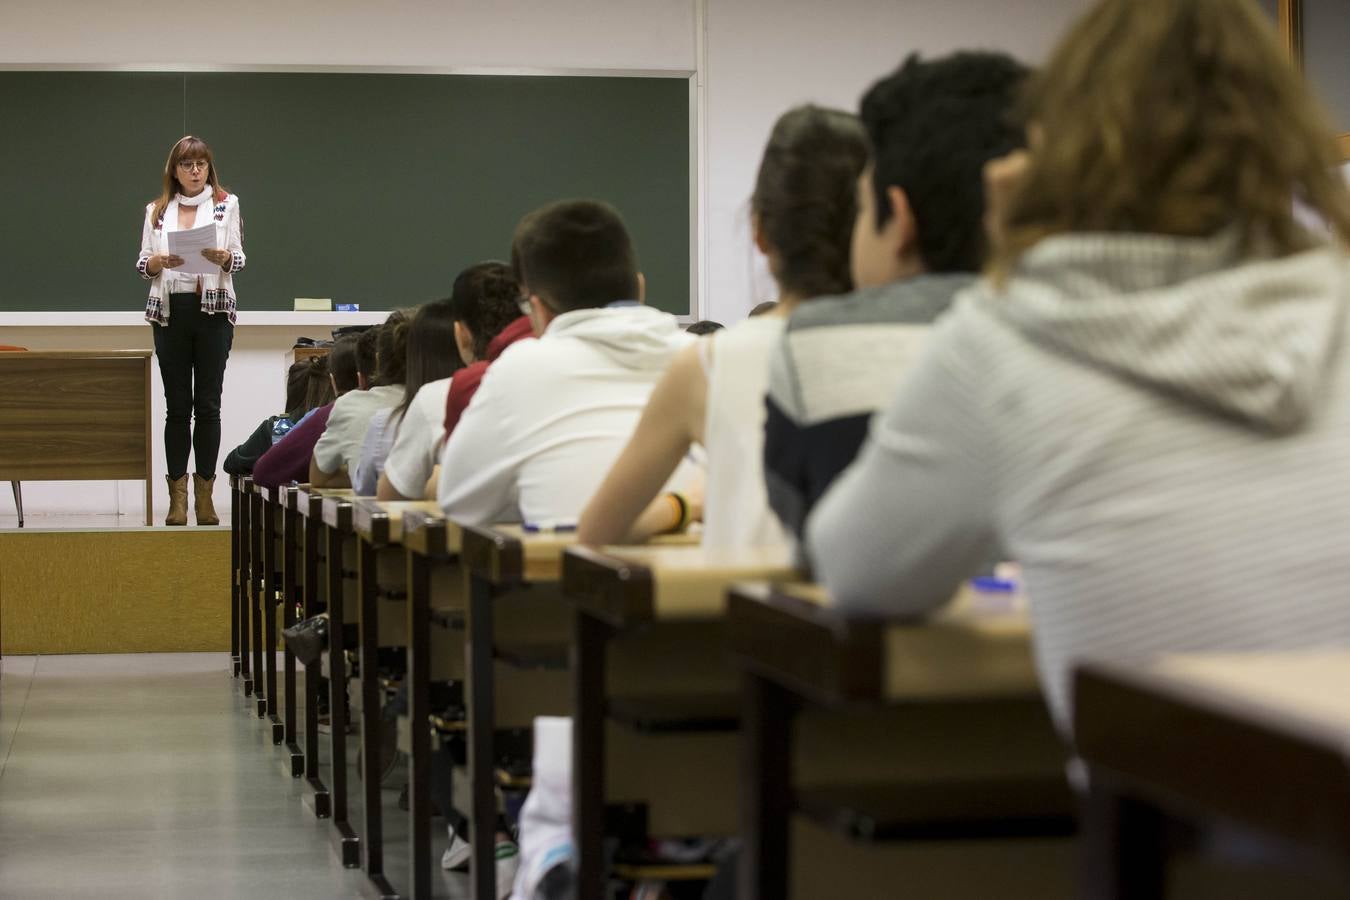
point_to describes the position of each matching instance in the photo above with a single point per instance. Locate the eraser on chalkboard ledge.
(313, 304)
(348, 307)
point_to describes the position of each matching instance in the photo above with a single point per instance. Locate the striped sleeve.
(914, 515)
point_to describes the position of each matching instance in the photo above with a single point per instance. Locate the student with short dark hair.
(487, 321)
(1147, 404)
(552, 414)
(288, 459)
(918, 240)
(705, 327)
(713, 393)
(338, 452)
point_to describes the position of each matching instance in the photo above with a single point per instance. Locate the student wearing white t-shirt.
(432, 357)
(482, 303)
(338, 452)
(552, 414)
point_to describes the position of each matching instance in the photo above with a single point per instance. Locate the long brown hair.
(1176, 117)
(806, 197)
(432, 353)
(188, 147)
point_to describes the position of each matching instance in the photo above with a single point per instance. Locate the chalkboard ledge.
(247, 318)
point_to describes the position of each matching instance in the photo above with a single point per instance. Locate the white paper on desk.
(189, 244)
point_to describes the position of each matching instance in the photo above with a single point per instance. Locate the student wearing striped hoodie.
(1147, 402)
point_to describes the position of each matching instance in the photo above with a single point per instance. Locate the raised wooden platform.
(114, 590)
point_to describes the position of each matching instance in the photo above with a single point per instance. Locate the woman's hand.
(162, 261)
(219, 257)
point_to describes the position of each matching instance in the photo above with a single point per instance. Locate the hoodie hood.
(635, 337)
(1252, 340)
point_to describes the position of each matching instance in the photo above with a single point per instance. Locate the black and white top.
(217, 291)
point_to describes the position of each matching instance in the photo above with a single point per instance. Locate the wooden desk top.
(790, 634)
(508, 555)
(381, 522)
(430, 533)
(279, 495)
(337, 508)
(627, 586)
(1260, 738)
(79, 354)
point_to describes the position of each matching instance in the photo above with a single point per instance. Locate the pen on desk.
(535, 528)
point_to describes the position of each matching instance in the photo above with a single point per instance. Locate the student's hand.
(219, 257)
(693, 495)
(1001, 179)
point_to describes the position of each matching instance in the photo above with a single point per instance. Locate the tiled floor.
(143, 776)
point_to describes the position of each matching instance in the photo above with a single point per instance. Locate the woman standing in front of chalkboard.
(192, 316)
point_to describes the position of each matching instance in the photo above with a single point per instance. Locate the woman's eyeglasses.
(192, 165)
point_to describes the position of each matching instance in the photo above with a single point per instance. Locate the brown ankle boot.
(206, 509)
(177, 501)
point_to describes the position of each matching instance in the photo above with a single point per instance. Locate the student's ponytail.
(805, 202)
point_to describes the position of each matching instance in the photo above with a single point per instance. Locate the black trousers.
(192, 351)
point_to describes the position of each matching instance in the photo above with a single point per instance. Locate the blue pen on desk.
(535, 528)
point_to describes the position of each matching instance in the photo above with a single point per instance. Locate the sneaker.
(508, 861)
(456, 856)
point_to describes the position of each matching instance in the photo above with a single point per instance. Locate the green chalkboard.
(367, 188)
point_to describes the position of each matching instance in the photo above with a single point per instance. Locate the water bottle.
(280, 427)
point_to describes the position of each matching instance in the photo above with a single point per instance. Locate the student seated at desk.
(338, 452)
(432, 358)
(551, 415)
(288, 459)
(487, 320)
(713, 392)
(918, 239)
(1147, 402)
(308, 387)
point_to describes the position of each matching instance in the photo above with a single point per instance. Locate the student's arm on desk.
(320, 479)
(913, 517)
(627, 508)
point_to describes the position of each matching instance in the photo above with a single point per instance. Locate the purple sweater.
(288, 460)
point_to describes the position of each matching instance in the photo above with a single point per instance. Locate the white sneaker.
(456, 856)
(508, 860)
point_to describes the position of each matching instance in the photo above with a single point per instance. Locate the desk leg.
(1123, 847)
(372, 837)
(257, 585)
(419, 732)
(483, 816)
(588, 752)
(322, 802)
(766, 782)
(348, 844)
(234, 580)
(271, 590)
(245, 598)
(290, 536)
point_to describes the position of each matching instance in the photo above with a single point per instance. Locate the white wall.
(757, 58)
(764, 56)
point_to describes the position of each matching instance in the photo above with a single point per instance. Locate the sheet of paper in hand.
(189, 244)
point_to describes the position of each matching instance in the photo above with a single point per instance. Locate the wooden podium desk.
(76, 415)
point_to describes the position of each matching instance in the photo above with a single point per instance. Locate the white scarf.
(205, 194)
